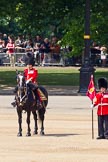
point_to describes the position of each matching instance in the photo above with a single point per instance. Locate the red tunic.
(32, 73)
(101, 100)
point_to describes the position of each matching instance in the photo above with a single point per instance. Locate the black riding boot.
(39, 103)
(13, 103)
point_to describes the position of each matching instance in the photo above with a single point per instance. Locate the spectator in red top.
(10, 51)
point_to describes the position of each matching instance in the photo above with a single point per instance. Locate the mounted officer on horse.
(30, 97)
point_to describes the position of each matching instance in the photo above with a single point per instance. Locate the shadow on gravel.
(61, 135)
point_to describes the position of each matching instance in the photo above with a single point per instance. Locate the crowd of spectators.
(44, 50)
(99, 54)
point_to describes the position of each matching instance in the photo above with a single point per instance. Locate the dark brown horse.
(26, 100)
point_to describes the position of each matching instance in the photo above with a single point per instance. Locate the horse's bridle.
(21, 89)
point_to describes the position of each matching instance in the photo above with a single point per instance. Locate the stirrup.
(13, 104)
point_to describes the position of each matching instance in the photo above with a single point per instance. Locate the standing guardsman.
(101, 100)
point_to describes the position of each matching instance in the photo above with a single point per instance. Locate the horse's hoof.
(42, 133)
(35, 132)
(19, 134)
(28, 134)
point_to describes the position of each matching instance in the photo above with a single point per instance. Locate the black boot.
(100, 137)
(39, 104)
(13, 103)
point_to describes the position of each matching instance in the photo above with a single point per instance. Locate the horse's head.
(20, 80)
(21, 93)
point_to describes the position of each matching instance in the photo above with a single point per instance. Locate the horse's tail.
(41, 113)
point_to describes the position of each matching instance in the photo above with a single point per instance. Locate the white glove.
(27, 81)
(92, 106)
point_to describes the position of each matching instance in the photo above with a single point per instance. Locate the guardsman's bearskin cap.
(30, 61)
(102, 82)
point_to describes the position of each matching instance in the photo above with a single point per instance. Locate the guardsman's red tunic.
(32, 73)
(101, 100)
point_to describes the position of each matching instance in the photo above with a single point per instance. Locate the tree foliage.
(64, 18)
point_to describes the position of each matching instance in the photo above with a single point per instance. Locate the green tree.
(64, 18)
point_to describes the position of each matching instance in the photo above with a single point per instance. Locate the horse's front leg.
(28, 123)
(19, 112)
(41, 116)
(35, 121)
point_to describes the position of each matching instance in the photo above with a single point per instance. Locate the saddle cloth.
(42, 96)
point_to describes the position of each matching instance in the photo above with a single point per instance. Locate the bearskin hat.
(102, 82)
(31, 61)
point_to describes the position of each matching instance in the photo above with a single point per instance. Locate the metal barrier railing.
(4, 60)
